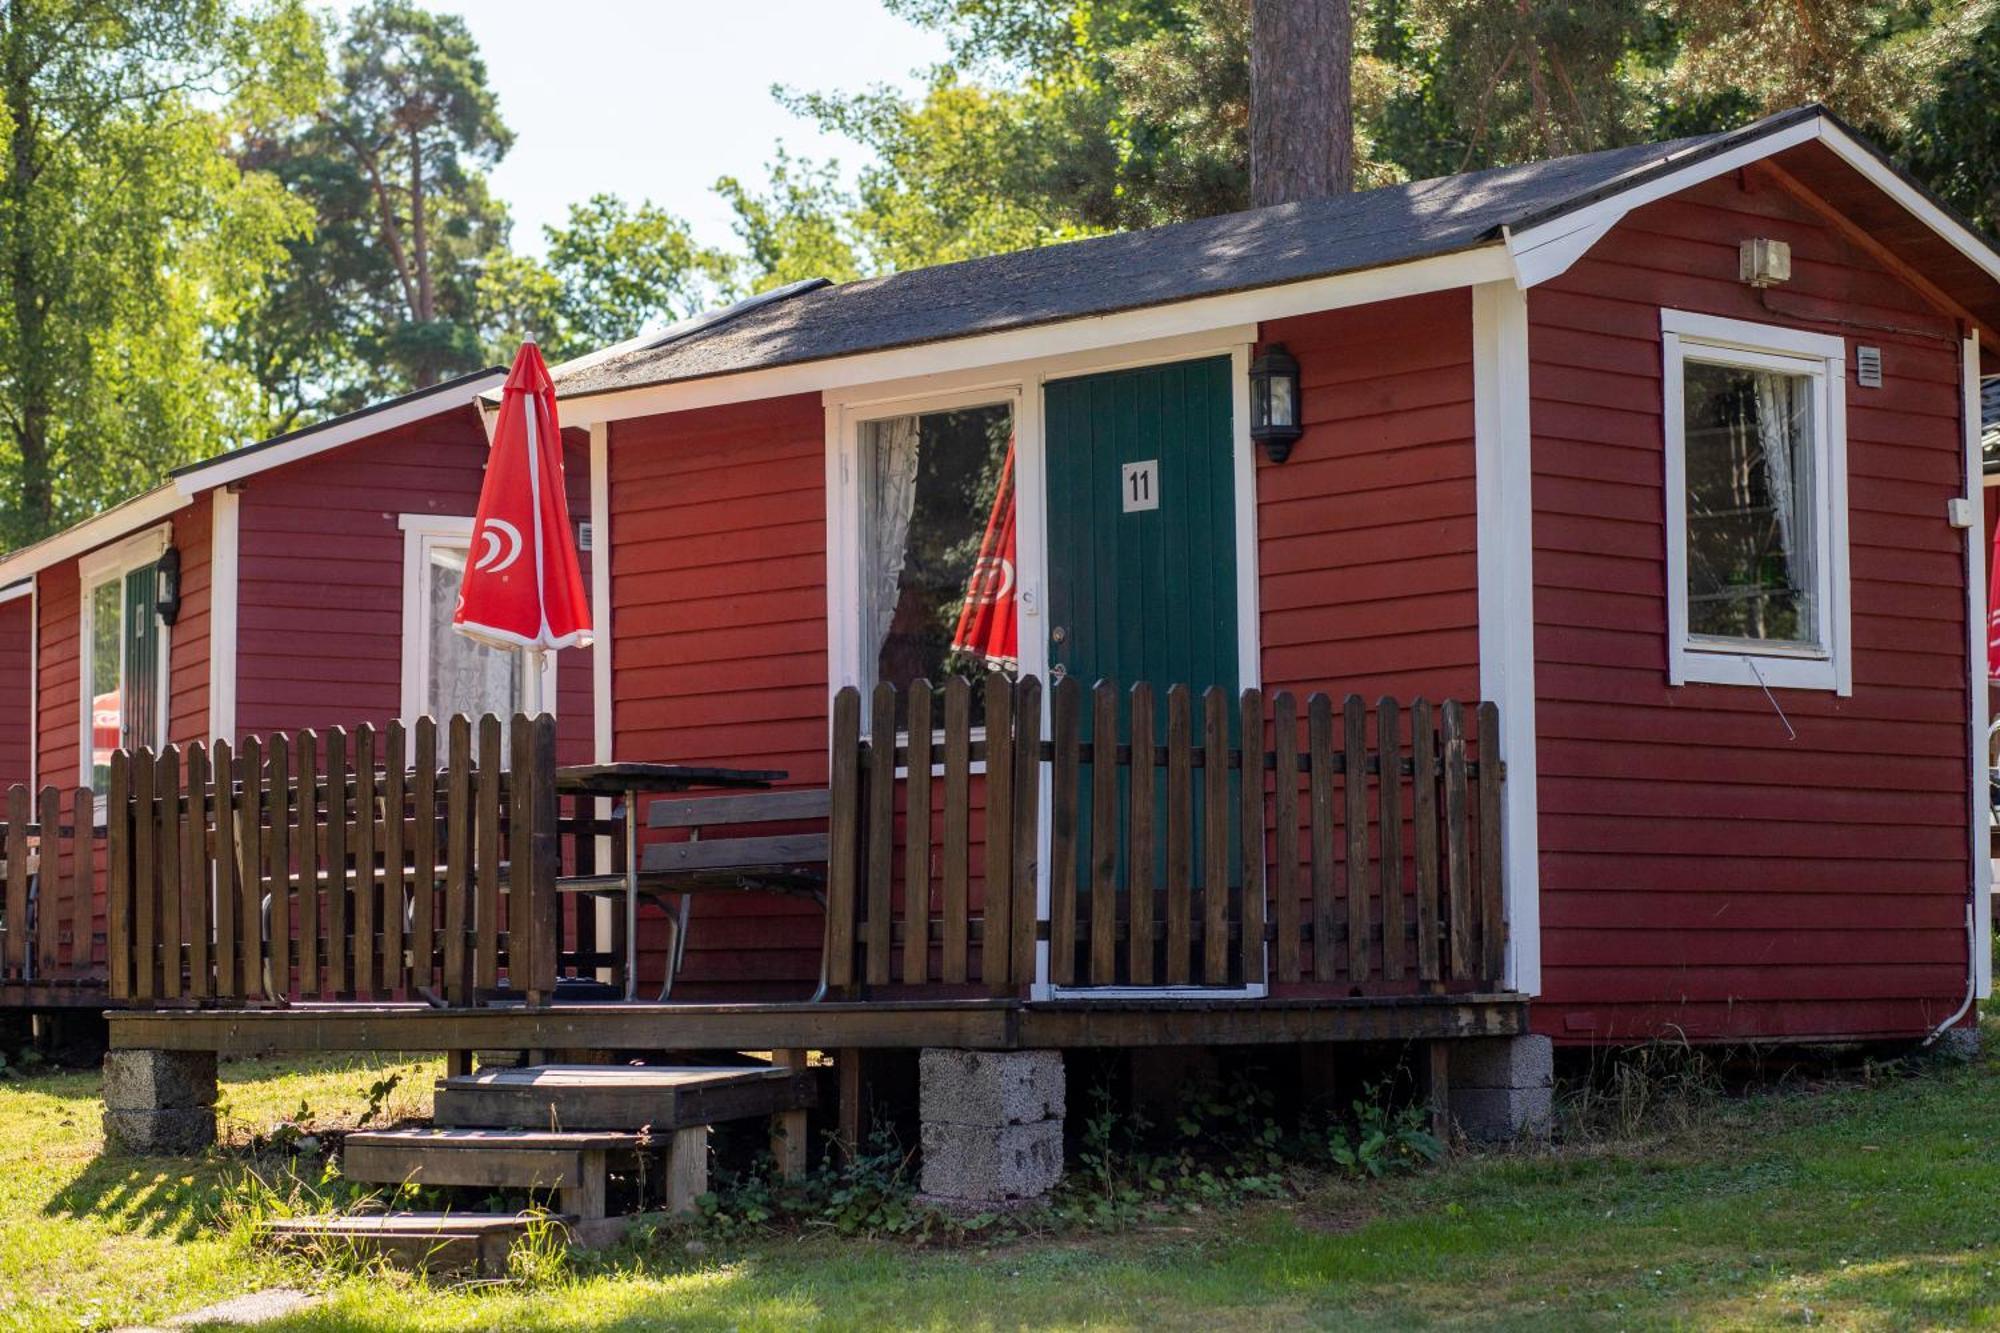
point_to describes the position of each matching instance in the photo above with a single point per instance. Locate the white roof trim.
(1547, 250)
(1488, 263)
(180, 492)
(25, 588)
(225, 469)
(115, 522)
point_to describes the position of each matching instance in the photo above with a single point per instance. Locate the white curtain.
(890, 499)
(1781, 407)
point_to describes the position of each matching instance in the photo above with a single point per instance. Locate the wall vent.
(1868, 367)
(583, 537)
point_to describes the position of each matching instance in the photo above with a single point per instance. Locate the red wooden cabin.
(1671, 451)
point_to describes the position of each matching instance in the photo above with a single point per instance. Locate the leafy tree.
(128, 237)
(612, 271)
(798, 228)
(384, 293)
(1952, 140)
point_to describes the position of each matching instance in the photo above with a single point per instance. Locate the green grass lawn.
(1855, 1206)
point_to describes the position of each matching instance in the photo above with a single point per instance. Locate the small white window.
(1756, 481)
(123, 646)
(444, 672)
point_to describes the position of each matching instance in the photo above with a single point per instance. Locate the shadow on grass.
(167, 1197)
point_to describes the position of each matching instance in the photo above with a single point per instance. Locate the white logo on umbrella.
(508, 537)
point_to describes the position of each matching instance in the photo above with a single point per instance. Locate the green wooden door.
(141, 705)
(1142, 526)
(1142, 568)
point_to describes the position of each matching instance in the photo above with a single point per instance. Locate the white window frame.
(108, 565)
(422, 532)
(1827, 665)
(846, 522)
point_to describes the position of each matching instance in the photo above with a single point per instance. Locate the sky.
(655, 100)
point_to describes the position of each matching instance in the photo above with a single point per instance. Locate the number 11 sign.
(1141, 486)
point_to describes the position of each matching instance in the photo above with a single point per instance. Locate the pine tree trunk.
(32, 408)
(1301, 110)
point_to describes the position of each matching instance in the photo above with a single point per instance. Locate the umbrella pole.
(538, 663)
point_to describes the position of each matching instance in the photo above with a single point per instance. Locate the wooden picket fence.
(1354, 846)
(47, 940)
(323, 866)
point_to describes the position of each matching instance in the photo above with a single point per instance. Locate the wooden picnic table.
(626, 783)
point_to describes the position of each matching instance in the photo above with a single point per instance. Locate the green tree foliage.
(612, 271)
(1055, 118)
(384, 294)
(128, 237)
(1952, 140)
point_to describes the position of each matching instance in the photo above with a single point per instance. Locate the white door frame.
(1021, 384)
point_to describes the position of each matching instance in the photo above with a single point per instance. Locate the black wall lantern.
(168, 571)
(1274, 402)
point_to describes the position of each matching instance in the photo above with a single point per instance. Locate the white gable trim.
(1547, 250)
(1041, 342)
(226, 468)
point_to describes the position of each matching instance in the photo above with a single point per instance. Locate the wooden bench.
(784, 863)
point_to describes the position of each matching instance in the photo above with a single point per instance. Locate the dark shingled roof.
(1235, 252)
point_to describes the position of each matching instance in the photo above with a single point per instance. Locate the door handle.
(1057, 673)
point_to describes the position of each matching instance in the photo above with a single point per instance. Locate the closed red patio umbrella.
(523, 586)
(987, 627)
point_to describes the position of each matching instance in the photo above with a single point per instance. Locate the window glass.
(462, 675)
(107, 657)
(938, 545)
(1752, 541)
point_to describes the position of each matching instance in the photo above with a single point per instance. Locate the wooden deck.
(981, 1024)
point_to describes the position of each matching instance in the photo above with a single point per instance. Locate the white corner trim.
(227, 468)
(1505, 476)
(35, 680)
(1976, 627)
(1830, 665)
(602, 733)
(224, 574)
(981, 352)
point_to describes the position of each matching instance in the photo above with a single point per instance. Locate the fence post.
(545, 861)
(118, 877)
(16, 961)
(1492, 924)
(51, 884)
(843, 846)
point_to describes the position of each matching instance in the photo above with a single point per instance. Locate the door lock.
(1058, 634)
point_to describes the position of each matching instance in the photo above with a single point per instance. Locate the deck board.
(976, 1024)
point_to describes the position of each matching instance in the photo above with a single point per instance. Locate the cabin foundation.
(992, 1124)
(159, 1102)
(1502, 1089)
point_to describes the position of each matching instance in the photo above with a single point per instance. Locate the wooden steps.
(619, 1097)
(550, 1129)
(432, 1242)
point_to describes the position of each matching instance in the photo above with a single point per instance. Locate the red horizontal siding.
(17, 704)
(320, 592)
(1368, 576)
(1704, 870)
(719, 643)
